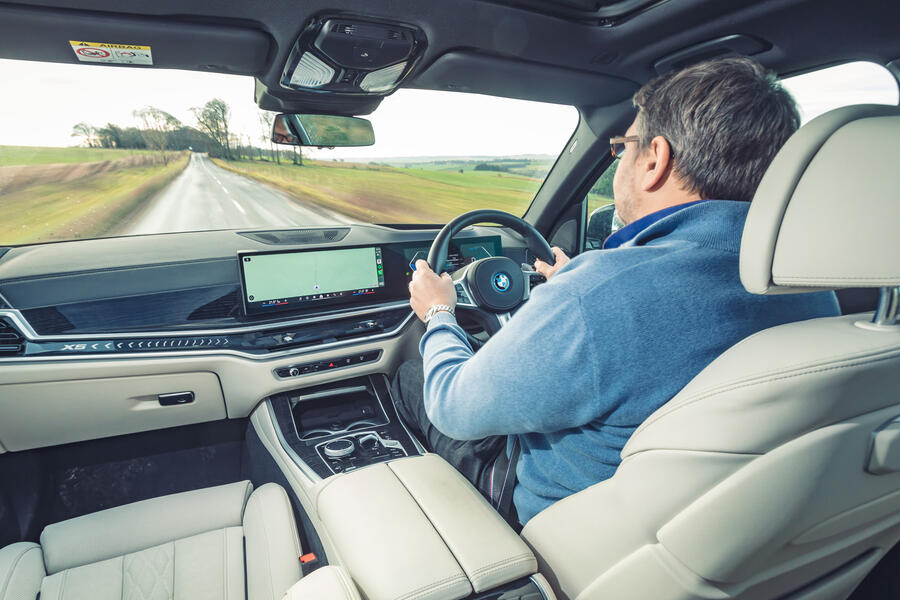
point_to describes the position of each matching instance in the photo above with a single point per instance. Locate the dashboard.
(258, 293)
(119, 335)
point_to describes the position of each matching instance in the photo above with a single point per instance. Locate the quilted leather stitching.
(149, 574)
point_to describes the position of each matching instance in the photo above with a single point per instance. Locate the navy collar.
(627, 233)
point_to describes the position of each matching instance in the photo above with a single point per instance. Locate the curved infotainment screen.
(297, 279)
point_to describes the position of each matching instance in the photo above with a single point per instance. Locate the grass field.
(385, 194)
(595, 201)
(536, 168)
(85, 208)
(33, 155)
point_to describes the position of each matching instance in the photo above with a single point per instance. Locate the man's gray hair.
(724, 119)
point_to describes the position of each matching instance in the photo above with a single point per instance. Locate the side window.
(816, 93)
(819, 91)
(601, 219)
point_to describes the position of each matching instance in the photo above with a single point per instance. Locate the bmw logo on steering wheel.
(501, 282)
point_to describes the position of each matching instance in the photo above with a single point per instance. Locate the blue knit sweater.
(604, 343)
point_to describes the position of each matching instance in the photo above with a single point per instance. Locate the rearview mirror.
(322, 130)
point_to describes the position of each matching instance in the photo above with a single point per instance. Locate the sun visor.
(54, 35)
(462, 71)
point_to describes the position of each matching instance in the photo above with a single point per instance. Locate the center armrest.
(416, 529)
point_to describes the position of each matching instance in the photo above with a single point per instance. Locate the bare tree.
(88, 132)
(157, 127)
(266, 119)
(212, 119)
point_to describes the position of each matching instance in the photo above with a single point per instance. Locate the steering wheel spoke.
(464, 296)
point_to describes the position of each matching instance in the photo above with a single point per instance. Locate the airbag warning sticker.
(118, 54)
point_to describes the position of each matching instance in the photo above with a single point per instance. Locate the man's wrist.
(436, 309)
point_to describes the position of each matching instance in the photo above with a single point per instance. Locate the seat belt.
(505, 499)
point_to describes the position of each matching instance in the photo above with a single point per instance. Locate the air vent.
(12, 343)
(294, 237)
(345, 29)
(393, 34)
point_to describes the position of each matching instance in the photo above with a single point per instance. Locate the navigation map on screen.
(282, 279)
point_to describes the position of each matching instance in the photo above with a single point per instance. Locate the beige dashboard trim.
(47, 413)
(245, 382)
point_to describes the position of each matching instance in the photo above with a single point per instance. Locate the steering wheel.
(496, 284)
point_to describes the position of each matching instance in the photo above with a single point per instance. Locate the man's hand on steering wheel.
(549, 270)
(427, 289)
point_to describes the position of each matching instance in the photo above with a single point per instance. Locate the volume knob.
(339, 448)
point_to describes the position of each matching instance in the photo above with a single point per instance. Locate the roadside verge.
(97, 205)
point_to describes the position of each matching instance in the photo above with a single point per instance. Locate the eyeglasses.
(617, 144)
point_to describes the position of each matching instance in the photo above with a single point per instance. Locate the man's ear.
(658, 164)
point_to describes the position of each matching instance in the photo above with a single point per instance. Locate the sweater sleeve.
(537, 374)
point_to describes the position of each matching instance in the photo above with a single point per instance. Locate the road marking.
(224, 189)
(238, 206)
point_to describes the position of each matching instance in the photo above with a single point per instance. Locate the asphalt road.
(205, 196)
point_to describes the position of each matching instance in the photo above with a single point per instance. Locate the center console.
(401, 523)
(343, 426)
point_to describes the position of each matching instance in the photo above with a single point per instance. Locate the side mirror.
(322, 130)
(600, 226)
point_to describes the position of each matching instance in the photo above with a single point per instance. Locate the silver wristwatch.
(436, 309)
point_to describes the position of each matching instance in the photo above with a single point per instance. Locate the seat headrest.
(827, 211)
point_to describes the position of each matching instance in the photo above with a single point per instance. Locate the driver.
(614, 333)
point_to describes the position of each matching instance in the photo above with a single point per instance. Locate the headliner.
(482, 46)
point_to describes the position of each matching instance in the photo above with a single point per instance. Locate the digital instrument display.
(460, 253)
(275, 281)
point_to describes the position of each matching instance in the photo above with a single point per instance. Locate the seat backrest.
(776, 472)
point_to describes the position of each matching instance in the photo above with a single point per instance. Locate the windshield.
(97, 151)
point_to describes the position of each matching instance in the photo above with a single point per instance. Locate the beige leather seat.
(193, 545)
(776, 472)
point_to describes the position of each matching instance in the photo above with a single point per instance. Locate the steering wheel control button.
(339, 448)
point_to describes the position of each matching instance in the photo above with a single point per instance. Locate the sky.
(51, 98)
(48, 99)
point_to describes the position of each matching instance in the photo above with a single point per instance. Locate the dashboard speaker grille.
(12, 343)
(295, 237)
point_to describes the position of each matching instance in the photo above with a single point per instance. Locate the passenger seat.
(194, 545)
